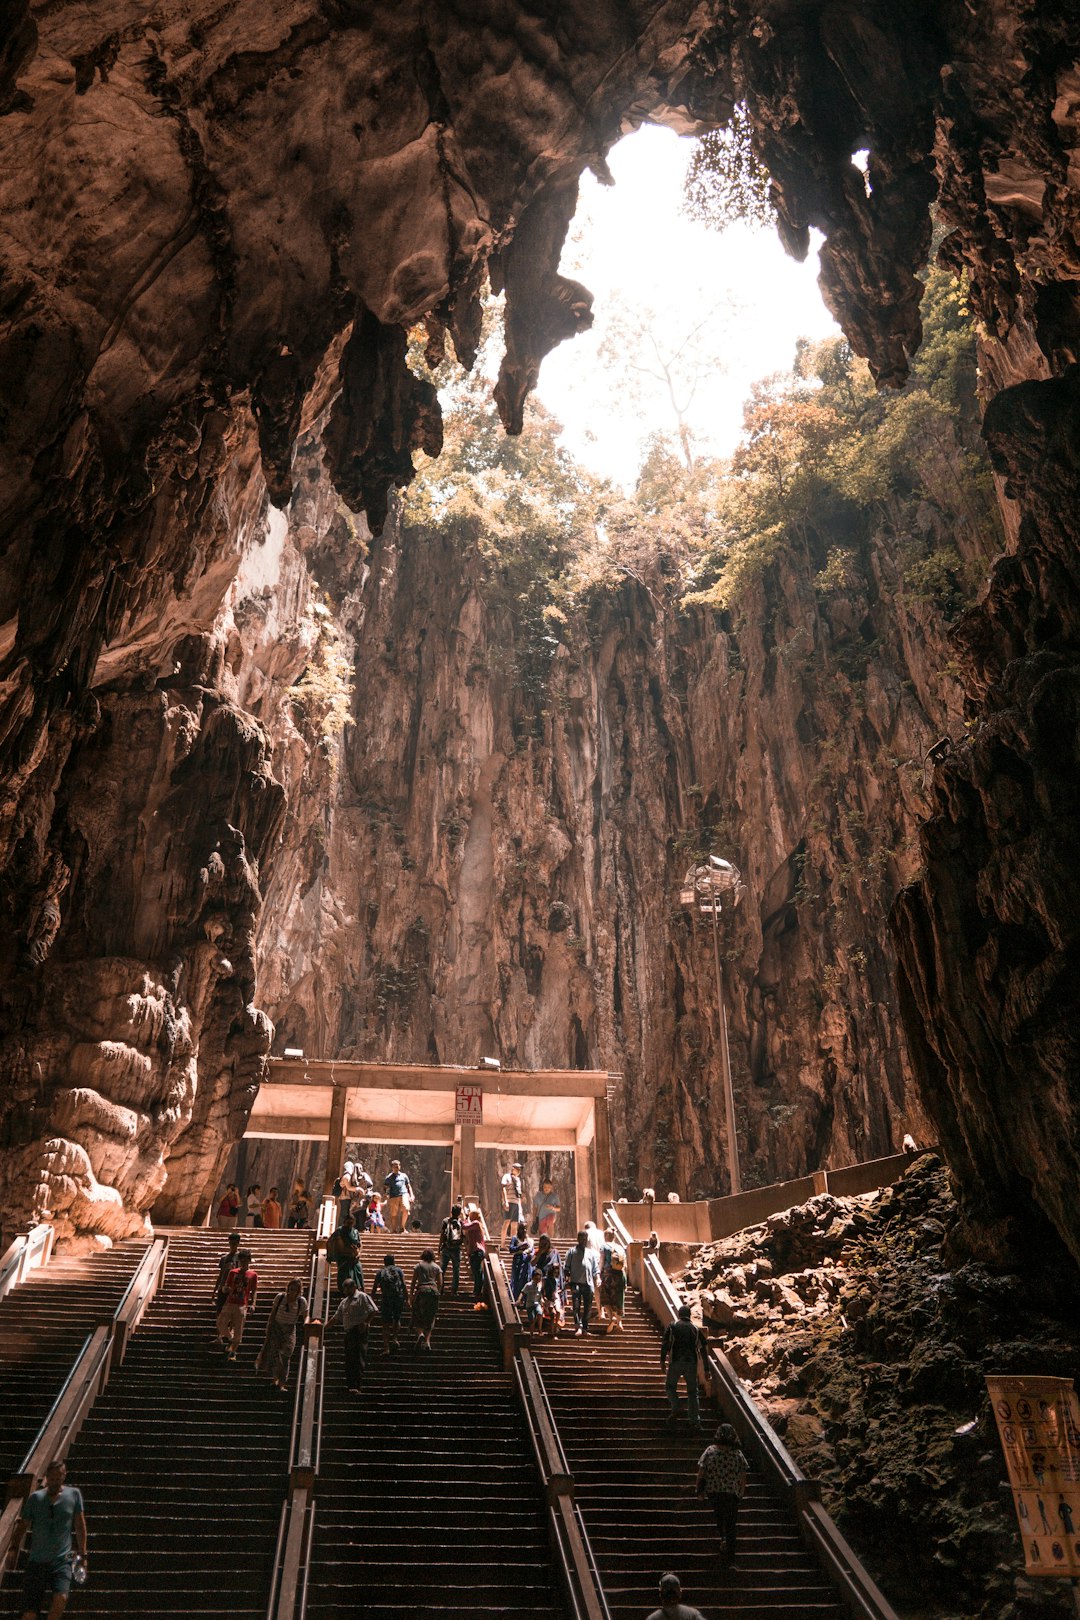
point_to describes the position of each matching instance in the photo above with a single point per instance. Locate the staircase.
(428, 1500)
(635, 1488)
(182, 1460)
(43, 1324)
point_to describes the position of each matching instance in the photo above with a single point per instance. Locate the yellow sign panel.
(1038, 1420)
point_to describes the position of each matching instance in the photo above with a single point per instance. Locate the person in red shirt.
(476, 1249)
(241, 1286)
(229, 1208)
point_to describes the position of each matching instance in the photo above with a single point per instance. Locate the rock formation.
(866, 1334)
(216, 223)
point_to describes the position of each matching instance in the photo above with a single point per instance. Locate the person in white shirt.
(511, 1201)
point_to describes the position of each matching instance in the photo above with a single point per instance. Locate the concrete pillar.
(605, 1187)
(455, 1167)
(335, 1146)
(467, 1162)
(583, 1186)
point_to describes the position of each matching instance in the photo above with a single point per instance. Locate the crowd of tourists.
(551, 1290)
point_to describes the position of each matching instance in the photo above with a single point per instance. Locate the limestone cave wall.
(216, 223)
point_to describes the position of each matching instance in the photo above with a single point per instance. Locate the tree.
(662, 361)
(727, 183)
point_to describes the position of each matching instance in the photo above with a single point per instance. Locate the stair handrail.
(88, 1376)
(851, 1581)
(581, 1575)
(138, 1296)
(292, 1554)
(27, 1252)
(570, 1542)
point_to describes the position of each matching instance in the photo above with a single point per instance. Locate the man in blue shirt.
(55, 1517)
(399, 1197)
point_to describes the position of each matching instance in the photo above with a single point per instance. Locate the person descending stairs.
(183, 1459)
(635, 1488)
(428, 1499)
(43, 1325)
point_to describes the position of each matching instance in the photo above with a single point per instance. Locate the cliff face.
(498, 870)
(189, 278)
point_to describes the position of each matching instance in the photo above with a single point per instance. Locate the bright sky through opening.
(637, 252)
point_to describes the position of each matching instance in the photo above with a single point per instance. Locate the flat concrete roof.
(550, 1109)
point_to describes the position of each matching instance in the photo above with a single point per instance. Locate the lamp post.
(705, 888)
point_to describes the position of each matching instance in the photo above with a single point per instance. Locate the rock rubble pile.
(865, 1333)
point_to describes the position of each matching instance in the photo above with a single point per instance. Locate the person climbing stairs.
(635, 1488)
(182, 1461)
(43, 1325)
(428, 1498)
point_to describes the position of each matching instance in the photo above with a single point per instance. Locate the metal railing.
(25, 1254)
(292, 1555)
(102, 1350)
(574, 1560)
(851, 1581)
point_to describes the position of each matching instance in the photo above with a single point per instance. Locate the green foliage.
(726, 183)
(322, 696)
(824, 452)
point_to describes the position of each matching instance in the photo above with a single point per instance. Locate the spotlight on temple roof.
(294, 1051)
(489, 1063)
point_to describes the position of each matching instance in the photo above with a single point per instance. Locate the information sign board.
(1038, 1420)
(469, 1109)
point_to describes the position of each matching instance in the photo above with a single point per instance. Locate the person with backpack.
(680, 1350)
(390, 1293)
(476, 1249)
(241, 1287)
(229, 1208)
(451, 1238)
(583, 1270)
(343, 1248)
(721, 1480)
(287, 1317)
(520, 1260)
(355, 1313)
(424, 1297)
(225, 1264)
(399, 1197)
(299, 1208)
(613, 1287)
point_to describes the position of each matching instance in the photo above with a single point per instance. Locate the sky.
(642, 258)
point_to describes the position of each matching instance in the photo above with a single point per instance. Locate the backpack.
(393, 1285)
(454, 1234)
(618, 1260)
(339, 1248)
(337, 1187)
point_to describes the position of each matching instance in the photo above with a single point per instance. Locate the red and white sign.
(470, 1105)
